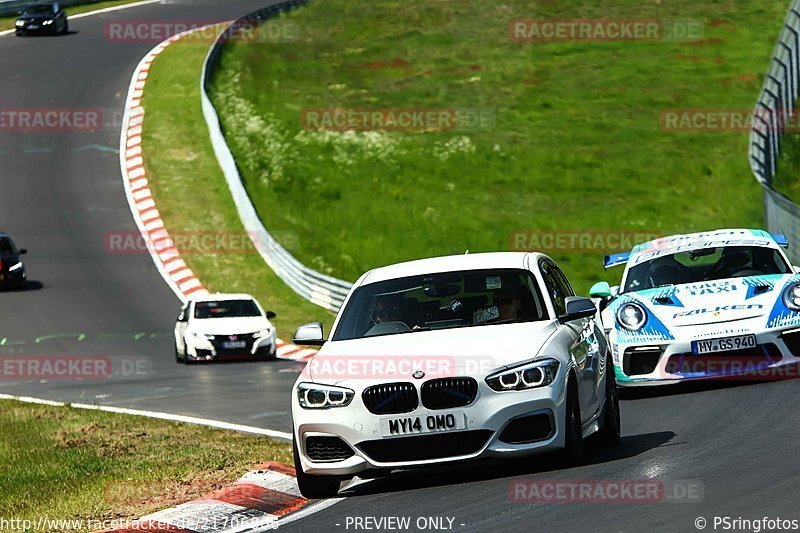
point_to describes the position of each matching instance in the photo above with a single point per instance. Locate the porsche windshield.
(441, 301)
(705, 264)
(226, 309)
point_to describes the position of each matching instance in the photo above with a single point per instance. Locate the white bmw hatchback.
(224, 326)
(451, 359)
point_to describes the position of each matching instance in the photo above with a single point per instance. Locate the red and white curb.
(166, 257)
(257, 501)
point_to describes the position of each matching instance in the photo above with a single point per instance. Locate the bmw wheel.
(573, 429)
(311, 486)
(610, 432)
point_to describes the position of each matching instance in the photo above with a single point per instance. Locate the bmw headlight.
(47, 22)
(314, 396)
(791, 296)
(524, 377)
(20, 23)
(631, 316)
(14, 268)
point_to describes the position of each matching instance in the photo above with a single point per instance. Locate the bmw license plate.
(417, 425)
(230, 345)
(33, 27)
(724, 344)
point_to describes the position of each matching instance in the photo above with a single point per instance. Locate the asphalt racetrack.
(62, 194)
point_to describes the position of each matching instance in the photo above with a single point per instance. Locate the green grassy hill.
(577, 142)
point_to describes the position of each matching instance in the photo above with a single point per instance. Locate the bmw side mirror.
(271, 315)
(23, 251)
(309, 335)
(601, 289)
(577, 308)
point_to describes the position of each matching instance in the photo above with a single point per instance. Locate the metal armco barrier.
(325, 291)
(776, 103)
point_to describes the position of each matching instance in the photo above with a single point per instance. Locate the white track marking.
(158, 415)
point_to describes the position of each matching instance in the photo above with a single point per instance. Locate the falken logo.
(719, 309)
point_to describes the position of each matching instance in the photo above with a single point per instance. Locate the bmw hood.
(475, 351)
(758, 298)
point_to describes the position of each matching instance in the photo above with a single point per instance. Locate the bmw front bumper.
(348, 440)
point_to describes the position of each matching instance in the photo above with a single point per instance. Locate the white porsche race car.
(449, 359)
(224, 326)
(704, 305)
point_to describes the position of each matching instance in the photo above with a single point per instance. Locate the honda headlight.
(631, 316)
(263, 333)
(791, 296)
(524, 377)
(314, 396)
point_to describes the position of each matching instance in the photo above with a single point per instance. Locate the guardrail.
(318, 288)
(775, 106)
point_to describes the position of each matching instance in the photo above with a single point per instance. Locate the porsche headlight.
(314, 396)
(791, 296)
(524, 377)
(631, 316)
(14, 268)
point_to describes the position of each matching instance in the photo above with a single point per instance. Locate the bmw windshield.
(441, 301)
(705, 264)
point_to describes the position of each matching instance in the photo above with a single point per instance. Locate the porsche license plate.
(418, 425)
(724, 344)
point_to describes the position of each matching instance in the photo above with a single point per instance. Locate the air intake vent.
(446, 393)
(390, 398)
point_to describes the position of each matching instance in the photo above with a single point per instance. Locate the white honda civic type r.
(224, 326)
(451, 359)
(716, 304)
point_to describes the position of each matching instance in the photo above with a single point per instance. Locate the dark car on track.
(42, 18)
(12, 271)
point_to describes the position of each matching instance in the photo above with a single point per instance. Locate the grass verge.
(577, 146)
(64, 463)
(7, 23)
(191, 192)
